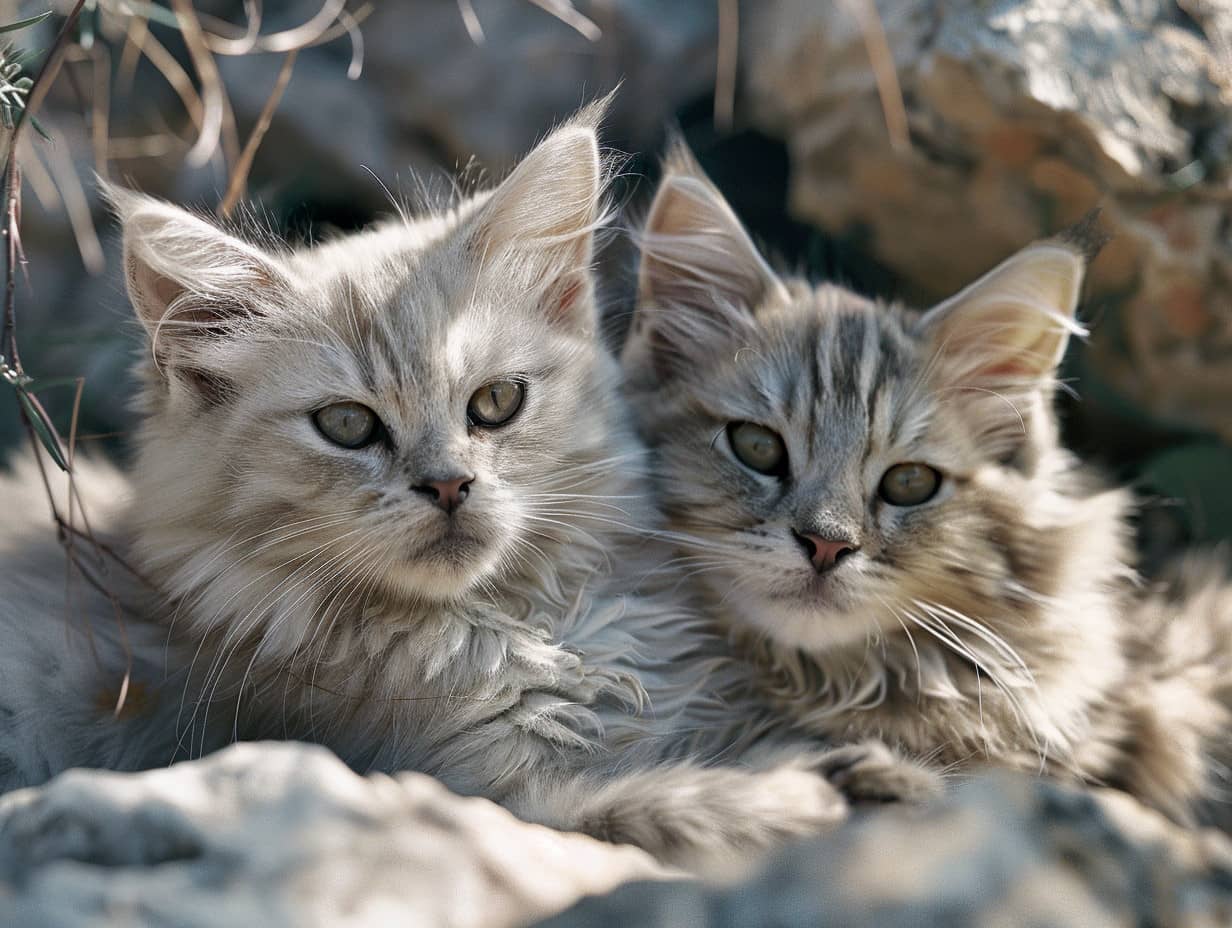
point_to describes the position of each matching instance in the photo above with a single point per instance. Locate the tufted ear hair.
(1010, 327)
(543, 219)
(701, 276)
(996, 345)
(191, 284)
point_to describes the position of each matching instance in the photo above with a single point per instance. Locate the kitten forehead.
(820, 361)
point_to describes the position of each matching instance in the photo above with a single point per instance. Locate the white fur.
(528, 647)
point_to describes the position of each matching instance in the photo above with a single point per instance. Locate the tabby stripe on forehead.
(869, 359)
(846, 357)
(815, 387)
(891, 362)
(821, 370)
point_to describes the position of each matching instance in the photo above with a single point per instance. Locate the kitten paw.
(870, 771)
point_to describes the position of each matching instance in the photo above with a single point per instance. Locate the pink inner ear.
(566, 297)
(165, 291)
(1005, 369)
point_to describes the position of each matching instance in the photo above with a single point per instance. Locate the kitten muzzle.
(823, 552)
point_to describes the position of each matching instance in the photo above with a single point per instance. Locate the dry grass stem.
(881, 60)
(568, 14)
(725, 67)
(100, 109)
(212, 92)
(135, 33)
(175, 76)
(239, 174)
(76, 204)
(247, 42)
(471, 21)
(37, 176)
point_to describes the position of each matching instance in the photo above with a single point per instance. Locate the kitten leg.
(709, 820)
(870, 771)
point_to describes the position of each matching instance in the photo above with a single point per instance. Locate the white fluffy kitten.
(382, 499)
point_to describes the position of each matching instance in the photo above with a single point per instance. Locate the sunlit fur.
(996, 622)
(530, 647)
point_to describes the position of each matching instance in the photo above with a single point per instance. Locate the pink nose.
(825, 552)
(447, 494)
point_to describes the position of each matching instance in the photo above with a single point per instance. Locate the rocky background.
(903, 147)
(284, 836)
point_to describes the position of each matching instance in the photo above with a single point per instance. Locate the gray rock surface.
(431, 98)
(276, 835)
(284, 835)
(1003, 851)
(1023, 115)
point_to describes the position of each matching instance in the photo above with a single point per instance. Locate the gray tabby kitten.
(877, 504)
(384, 499)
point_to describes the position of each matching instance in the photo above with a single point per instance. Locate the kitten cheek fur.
(233, 327)
(997, 622)
(528, 647)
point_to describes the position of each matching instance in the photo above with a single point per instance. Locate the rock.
(284, 835)
(431, 98)
(1003, 850)
(1023, 116)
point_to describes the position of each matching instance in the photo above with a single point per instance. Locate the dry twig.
(239, 173)
(881, 60)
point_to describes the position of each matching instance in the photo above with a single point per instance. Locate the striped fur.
(998, 622)
(528, 648)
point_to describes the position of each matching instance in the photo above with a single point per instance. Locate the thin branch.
(12, 178)
(134, 39)
(174, 75)
(247, 42)
(568, 14)
(239, 174)
(100, 110)
(306, 34)
(211, 84)
(470, 20)
(37, 176)
(725, 67)
(881, 60)
(76, 205)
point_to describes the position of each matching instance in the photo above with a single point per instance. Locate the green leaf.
(45, 431)
(39, 129)
(25, 23)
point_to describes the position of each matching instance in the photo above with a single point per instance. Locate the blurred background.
(902, 147)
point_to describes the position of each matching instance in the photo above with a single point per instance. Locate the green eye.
(351, 425)
(495, 403)
(758, 448)
(909, 484)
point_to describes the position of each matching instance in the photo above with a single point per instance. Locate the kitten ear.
(190, 283)
(544, 216)
(700, 276)
(1010, 328)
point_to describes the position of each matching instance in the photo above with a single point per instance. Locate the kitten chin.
(461, 566)
(819, 614)
(878, 503)
(386, 498)
(447, 557)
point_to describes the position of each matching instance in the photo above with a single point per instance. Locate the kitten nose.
(825, 553)
(449, 493)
